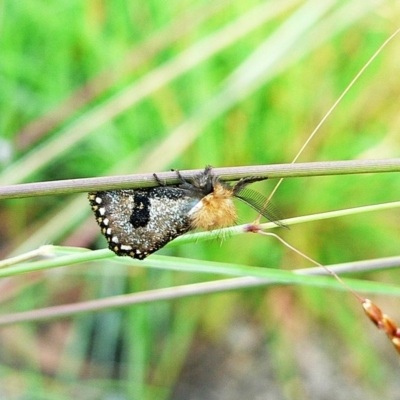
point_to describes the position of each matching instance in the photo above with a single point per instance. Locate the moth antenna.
(239, 186)
(258, 202)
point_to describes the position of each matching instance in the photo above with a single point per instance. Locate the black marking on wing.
(140, 216)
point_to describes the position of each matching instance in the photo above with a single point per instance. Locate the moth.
(138, 222)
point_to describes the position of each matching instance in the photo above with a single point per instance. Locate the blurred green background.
(117, 87)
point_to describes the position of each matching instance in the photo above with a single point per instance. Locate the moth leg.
(159, 181)
(181, 178)
(184, 182)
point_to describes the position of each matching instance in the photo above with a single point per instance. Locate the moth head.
(202, 184)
